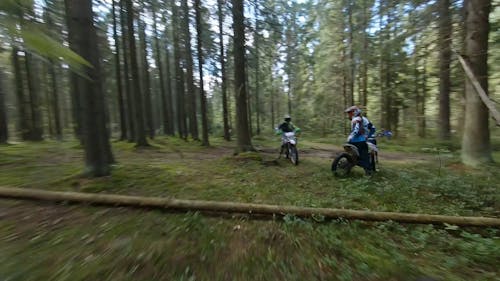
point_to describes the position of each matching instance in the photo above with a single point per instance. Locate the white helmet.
(354, 109)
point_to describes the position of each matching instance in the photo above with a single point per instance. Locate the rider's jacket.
(357, 130)
(286, 127)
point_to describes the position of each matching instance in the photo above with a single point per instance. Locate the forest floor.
(44, 241)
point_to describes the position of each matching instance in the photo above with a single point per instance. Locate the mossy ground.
(41, 241)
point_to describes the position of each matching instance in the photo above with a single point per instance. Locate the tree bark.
(476, 147)
(55, 87)
(169, 91)
(225, 111)
(257, 71)
(203, 98)
(245, 208)
(130, 105)
(33, 81)
(179, 74)
(165, 105)
(84, 42)
(140, 139)
(4, 134)
(444, 68)
(22, 106)
(364, 69)
(244, 142)
(148, 111)
(188, 54)
(118, 74)
(352, 64)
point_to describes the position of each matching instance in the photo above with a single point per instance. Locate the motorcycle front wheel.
(293, 154)
(342, 165)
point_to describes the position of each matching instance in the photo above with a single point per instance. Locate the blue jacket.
(358, 133)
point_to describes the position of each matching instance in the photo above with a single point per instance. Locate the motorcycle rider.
(286, 127)
(359, 135)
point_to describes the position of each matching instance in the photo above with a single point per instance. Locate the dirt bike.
(345, 161)
(289, 144)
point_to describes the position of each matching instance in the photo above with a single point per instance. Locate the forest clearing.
(75, 242)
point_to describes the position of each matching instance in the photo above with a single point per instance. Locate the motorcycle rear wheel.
(342, 165)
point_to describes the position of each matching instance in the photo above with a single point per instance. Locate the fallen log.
(249, 208)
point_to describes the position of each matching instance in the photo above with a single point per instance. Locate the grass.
(59, 242)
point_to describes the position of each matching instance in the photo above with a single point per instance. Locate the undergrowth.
(40, 241)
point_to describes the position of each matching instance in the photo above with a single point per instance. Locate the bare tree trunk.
(179, 74)
(271, 93)
(134, 67)
(118, 73)
(188, 53)
(148, 111)
(22, 105)
(364, 70)
(55, 87)
(32, 72)
(130, 105)
(84, 42)
(203, 98)
(169, 93)
(257, 70)
(4, 134)
(351, 52)
(225, 112)
(165, 105)
(476, 147)
(444, 68)
(243, 137)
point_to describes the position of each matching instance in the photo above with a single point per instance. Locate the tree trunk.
(476, 147)
(364, 70)
(148, 111)
(169, 93)
(84, 42)
(188, 53)
(32, 72)
(244, 142)
(165, 106)
(134, 67)
(351, 52)
(179, 74)
(444, 68)
(22, 106)
(203, 98)
(225, 112)
(130, 105)
(257, 70)
(55, 87)
(118, 73)
(4, 135)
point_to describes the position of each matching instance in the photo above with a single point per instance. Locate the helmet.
(288, 118)
(354, 109)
